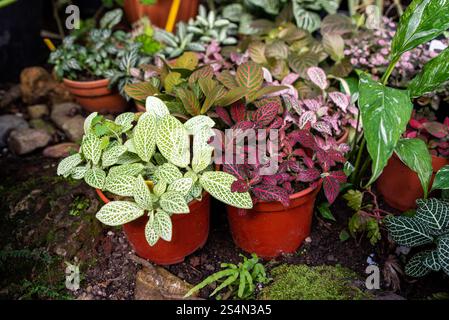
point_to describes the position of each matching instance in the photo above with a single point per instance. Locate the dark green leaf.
(441, 179)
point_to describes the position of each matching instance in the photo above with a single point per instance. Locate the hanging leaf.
(385, 113)
(416, 156)
(441, 179)
(165, 225)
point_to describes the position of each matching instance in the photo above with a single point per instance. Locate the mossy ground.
(302, 282)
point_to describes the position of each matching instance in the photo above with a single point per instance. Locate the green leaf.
(416, 156)
(443, 253)
(145, 136)
(250, 76)
(174, 202)
(218, 184)
(434, 214)
(160, 188)
(441, 180)
(431, 261)
(120, 184)
(68, 164)
(111, 156)
(189, 100)
(111, 19)
(325, 211)
(307, 20)
(78, 173)
(434, 74)
(173, 141)
(142, 194)
(265, 91)
(117, 213)
(385, 113)
(95, 178)
(422, 21)
(165, 225)
(354, 199)
(344, 235)
(91, 148)
(407, 231)
(202, 158)
(88, 122)
(415, 267)
(132, 169)
(227, 79)
(188, 60)
(171, 81)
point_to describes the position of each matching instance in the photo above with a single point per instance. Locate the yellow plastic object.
(50, 44)
(174, 9)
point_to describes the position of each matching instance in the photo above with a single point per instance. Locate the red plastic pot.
(158, 12)
(270, 229)
(400, 186)
(95, 96)
(190, 232)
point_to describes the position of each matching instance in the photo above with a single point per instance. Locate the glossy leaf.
(441, 179)
(385, 113)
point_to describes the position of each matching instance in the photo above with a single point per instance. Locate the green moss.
(301, 282)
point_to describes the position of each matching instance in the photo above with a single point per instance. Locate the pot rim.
(87, 84)
(305, 192)
(344, 137)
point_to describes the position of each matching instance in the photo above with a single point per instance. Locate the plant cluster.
(241, 279)
(147, 160)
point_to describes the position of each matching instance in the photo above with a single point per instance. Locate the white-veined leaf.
(173, 141)
(165, 225)
(68, 164)
(157, 107)
(145, 136)
(92, 148)
(167, 172)
(120, 184)
(173, 202)
(111, 156)
(117, 213)
(95, 178)
(142, 194)
(182, 186)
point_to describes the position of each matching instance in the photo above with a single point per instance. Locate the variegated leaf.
(305, 118)
(202, 159)
(407, 231)
(78, 173)
(192, 175)
(125, 120)
(129, 144)
(196, 191)
(250, 75)
(443, 253)
(165, 225)
(68, 164)
(127, 169)
(196, 123)
(152, 232)
(128, 158)
(92, 148)
(120, 184)
(173, 202)
(431, 261)
(218, 184)
(111, 156)
(341, 100)
(181, 186)
(95, 178)
(160, 188)
(173, 141)
(318, 77)
(145, 136)
(415, 267)
(117, 213)
(142, 194)
(157, 107)
(434, 214)
(88, 122)
(168, 172)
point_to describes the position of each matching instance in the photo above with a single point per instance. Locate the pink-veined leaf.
(266, 114)
(238, 112)
(309, 175)
(224, 115)
(318, 77)
(308, 117)
(331, 188)
(304, 137)
(340, 99)
(271, 193)
(436, 129)
(322, 127)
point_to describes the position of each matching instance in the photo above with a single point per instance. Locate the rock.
(13, 94)
(61, 150)
(24, 141)
(66, 117)
(8, 123)
(62, 112)
(38, 111)
(43, 125)
(35, 83)
(60, 94)
(156, 283)
(74, 128)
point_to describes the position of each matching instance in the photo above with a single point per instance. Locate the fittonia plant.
(150, 164)
(329, 112)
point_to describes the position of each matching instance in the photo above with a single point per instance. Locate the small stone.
(38, 111)
(43, 125)
(61, 150)
(74, 128)
(35, 83)
(62, 112)
(27, 140)
(210, 267)
(8, 123)
(331, 258)
(156, 283)
(308, 240)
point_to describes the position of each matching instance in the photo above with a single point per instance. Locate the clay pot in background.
(400, 186)
(270, 229)
(158, 12)
(95, 96)
(190, 232)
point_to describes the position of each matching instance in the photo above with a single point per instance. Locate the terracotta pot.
(158, 12)
(344, 137)
(400, 186)
(95, 96)
(190, 232)
(270, 229)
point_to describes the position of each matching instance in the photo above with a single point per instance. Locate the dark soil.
(37, 215)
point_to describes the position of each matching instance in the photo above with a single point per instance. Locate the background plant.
(242, 279)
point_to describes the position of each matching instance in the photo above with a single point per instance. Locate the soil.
(107, 272)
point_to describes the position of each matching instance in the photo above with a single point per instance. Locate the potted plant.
(90, 64)
(284, 197)
(160, 185)
(399, 185)
(158, 10)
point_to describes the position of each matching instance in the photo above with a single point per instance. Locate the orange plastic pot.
(95, 96)
(270, 229)
(190, 232)
(400, 186)
(158, 12)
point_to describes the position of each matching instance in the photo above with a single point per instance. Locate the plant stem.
(389, 70)
(357, 162)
